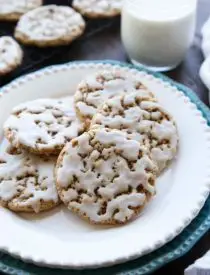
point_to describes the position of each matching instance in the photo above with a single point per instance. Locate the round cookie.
(50, 26)
(99, 87)
(143, 120)
(43, 126)
(104, 177)
(11, 54)
(27, 181)
(98, 8)
(12, 10)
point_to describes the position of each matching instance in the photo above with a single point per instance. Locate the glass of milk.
(158, 33)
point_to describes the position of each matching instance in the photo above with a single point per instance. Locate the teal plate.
(148, 263)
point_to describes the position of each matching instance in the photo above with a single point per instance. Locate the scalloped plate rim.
(180, 87)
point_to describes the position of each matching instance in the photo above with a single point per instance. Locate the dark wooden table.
(107, 45)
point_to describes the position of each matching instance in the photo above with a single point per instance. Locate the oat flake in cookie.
(104, 177)
(12, 10)
(99, 87)
(50, 26)
(43, 126)
(11, 54)
(27, 181)
(98, 8)
(143, 120)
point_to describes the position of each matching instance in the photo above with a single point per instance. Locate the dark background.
(102, 41)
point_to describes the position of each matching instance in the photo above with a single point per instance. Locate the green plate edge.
(148, 263)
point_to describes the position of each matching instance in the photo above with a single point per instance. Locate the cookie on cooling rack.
(50, 25)
(98, 8)
(43, 126)
(104, 177)
(27, 181)
(12, 10)
(143, 120)
(11, 54)
(97, 88)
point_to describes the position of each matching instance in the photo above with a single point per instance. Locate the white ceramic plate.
(59, 238)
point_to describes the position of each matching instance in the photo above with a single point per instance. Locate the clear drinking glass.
(158, 33)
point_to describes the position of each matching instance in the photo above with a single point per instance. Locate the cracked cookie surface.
(143, 120)
(27, 181)
(11, 54)
(50, 25)
(105, 177)
(12, 10)
(43, 126)
(99, 87)
(98, 8)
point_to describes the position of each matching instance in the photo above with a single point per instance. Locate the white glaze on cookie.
(50, 25)
(104, 176)
(13, 9)
(143, 120)
(10, 54)
(98, 8)
(97, 88)
(43, 125)
(26, 180)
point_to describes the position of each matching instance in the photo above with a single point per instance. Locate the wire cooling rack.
(34, 57)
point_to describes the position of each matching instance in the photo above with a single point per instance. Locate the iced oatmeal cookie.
(105, 177)
(99, 87)
(50, 26)
(143, 120)
(26, 181)
(12, 10)
(11, 54)
(43, 126)
(98, 8)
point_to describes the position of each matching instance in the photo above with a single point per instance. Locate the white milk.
(157, 33)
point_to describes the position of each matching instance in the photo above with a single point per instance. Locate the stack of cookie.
(107, 175)
(112, 142)
(36, 132)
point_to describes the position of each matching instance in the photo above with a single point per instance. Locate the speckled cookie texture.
(11, 54)
(27, 181)
(105, 177)
(99, 87)
(98, 8)
(50, 25)
(143, 120)
(12, 10)
(43, 126)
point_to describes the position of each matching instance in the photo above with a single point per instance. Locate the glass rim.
(162, 10)
(136, 2)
